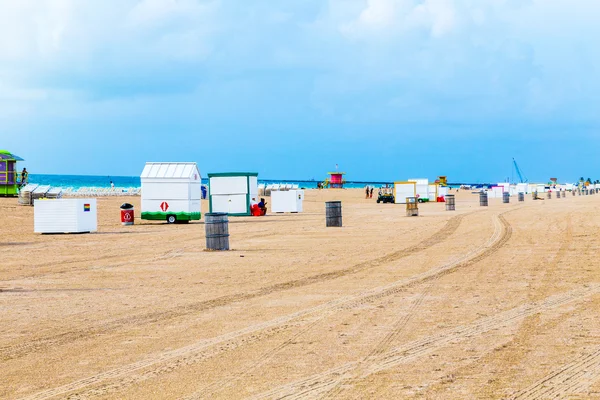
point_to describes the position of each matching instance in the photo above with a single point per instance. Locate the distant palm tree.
(581, 179)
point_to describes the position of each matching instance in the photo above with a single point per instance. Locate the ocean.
(78, 181)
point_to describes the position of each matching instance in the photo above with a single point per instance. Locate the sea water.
(79, 181)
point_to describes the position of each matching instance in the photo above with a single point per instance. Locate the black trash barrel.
(450, 202)
(216, 226)
(505, 197)
(521, 196)
(564, 193)
(333, 213)
(483, 199)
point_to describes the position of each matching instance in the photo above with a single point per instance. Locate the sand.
(480, 303)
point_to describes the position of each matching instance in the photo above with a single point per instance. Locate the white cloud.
(397, 17)
(449, 58)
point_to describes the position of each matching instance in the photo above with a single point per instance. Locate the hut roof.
(226, 174)
(171, 170)
(7, 155)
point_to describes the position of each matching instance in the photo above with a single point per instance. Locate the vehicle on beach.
(386, 195)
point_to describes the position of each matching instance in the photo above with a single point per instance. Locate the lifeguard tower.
(336, 180)
(9, 176)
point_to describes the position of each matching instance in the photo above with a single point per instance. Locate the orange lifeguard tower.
(336, 180)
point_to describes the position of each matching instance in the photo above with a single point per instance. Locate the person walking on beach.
(367, 192)
(112, 185)
(371, 196)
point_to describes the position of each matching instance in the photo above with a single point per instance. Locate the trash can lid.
(126, 206)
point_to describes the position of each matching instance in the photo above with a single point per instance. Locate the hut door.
(11, 173)
(3, 174)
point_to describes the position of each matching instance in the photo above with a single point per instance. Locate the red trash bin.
(127, 214)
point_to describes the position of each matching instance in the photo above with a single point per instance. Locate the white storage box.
(65, 216)
(288, 201)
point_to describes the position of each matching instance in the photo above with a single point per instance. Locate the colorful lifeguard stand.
(9, 176)
(336, 180)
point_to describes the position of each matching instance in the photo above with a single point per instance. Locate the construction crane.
(519, 172)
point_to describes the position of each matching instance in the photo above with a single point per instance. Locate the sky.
(386, 89)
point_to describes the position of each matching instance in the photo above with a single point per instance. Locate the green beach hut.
(232, 192)
(9, 175)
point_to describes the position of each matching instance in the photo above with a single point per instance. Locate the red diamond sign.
(164, 206)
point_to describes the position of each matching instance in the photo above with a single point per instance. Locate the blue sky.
(387, 89)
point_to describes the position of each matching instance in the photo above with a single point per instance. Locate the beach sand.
(484, 302)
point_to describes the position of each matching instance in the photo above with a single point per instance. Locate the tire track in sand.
(570, 379)
(216, 387)
(338, 389)
(121, 377)
(39, 344)
(542, 284)
(315, 385)
(205, 348)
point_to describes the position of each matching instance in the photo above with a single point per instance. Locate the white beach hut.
(232, 192)
(171, 191)
(522, 188)
(442, 191)
(505, 187)
(495, 192)
(402, 190)
(422, 188)
(432, 192)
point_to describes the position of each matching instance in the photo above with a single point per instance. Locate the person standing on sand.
(371, 196)
(112, 185)
(367, 192)
(24, 176)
